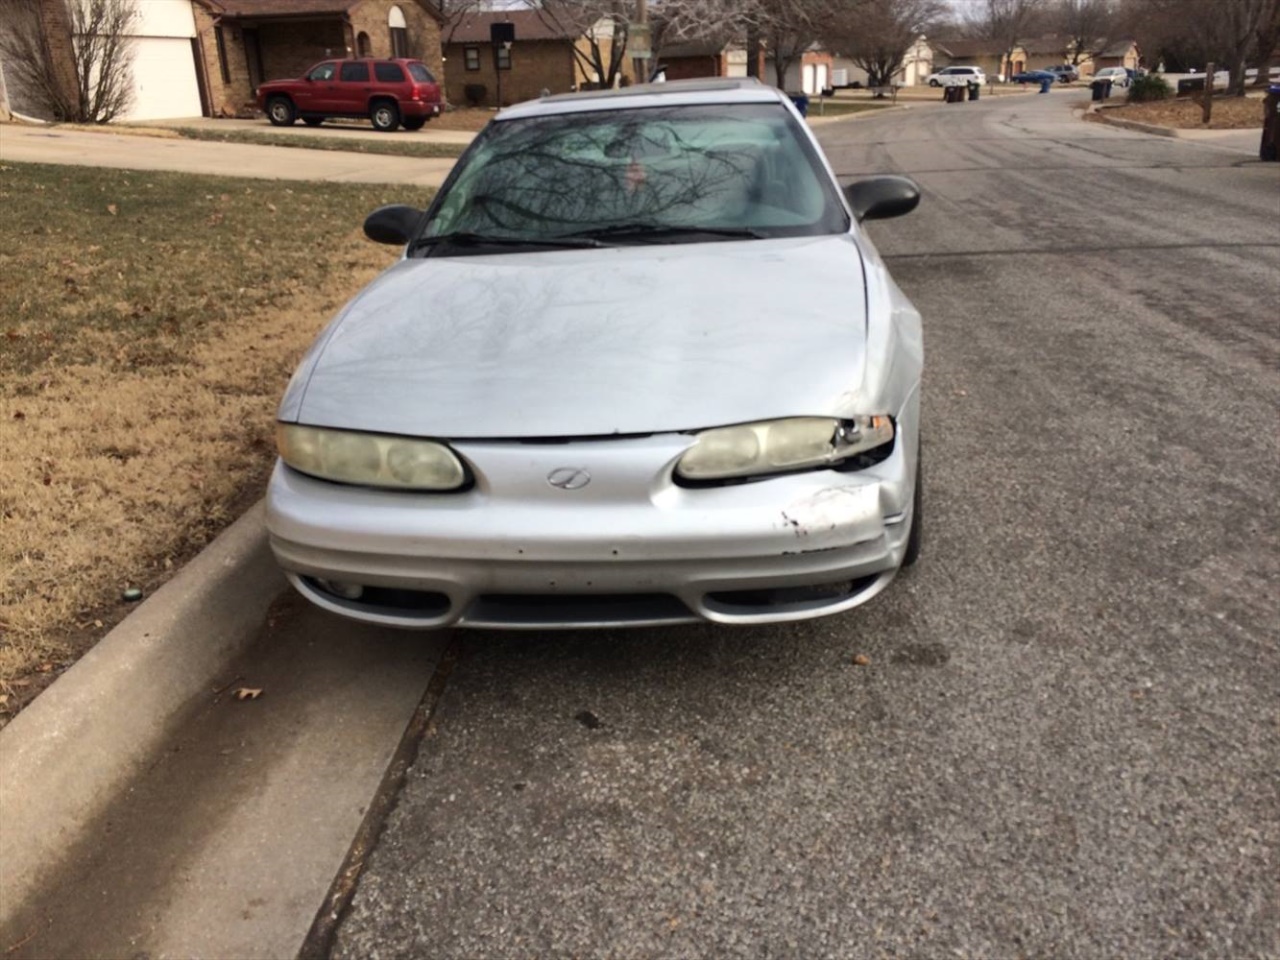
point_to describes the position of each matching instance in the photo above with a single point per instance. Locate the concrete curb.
(65, 756)
(1151, 128)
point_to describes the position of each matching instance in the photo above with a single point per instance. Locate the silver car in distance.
(639, 364)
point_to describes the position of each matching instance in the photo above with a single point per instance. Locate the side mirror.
(393, 224)
(879, 198)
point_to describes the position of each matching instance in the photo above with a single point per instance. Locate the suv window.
(322, 72)
(388, 73)
(354, 73)
(421, 73)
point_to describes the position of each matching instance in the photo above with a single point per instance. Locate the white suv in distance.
(953, 76)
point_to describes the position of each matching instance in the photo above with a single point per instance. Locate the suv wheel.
(280, 112)
(934, 83)
(313, 121)
(385, 116)
(414, 123)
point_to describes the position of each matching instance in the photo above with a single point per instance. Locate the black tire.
(280, 112)
(384, 115)
(313, 121)
(934, 83)
(413, 123)
(916, 536)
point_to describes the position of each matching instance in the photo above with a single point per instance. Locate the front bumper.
(515, 552)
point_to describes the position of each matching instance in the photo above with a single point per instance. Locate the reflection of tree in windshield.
(684, 167)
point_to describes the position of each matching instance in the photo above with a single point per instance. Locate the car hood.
(630, 339)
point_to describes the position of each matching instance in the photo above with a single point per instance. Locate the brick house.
(245, 42)
(546, 55)
(206, 57)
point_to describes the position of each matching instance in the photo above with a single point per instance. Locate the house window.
(399, 32)
(221, 44)
(471, 57)
(504, 57)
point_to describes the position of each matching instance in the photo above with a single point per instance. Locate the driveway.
(132, 152)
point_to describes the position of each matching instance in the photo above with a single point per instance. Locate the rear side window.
(388, 73)
(354, 73)
(421, 73)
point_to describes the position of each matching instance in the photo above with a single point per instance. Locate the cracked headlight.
(369, 459)
(779, 446)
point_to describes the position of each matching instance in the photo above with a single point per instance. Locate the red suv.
(390, 93)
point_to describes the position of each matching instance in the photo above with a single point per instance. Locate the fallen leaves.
(247, 693)
(861, 660)
(112, 209)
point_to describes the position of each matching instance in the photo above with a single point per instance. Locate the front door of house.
(253, 58)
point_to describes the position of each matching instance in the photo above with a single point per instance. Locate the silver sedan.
(639, 364)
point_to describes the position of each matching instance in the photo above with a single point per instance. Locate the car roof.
(640, 96)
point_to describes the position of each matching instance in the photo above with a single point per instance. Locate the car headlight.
(369, 459)
(778, 446)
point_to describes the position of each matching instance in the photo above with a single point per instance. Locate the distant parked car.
(1118, 76)
(1033, 76)
(391, 93)
(1065, 72)
(956, 76)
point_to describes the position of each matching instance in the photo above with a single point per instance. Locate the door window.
(322, 72)
(354, 73)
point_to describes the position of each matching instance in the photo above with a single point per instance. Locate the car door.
(315, 93)
(353, 88)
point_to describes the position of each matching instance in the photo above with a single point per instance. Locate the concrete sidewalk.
(20, 143)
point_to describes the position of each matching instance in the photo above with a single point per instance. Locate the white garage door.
(164, 79)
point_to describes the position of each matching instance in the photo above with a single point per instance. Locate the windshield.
(744, 170)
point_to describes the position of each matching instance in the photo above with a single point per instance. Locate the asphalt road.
(1066, 740)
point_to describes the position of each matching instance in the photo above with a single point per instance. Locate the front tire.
(385, 116)
(934, 83)
(280, 112)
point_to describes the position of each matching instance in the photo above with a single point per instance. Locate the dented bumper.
(630, 547)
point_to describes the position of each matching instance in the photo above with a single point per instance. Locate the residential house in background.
(708, 57)
(546, 55)
(809, 73)
(245, 42)
(1033, 53)
(205, 57)
(1121, 53)
(916, 65)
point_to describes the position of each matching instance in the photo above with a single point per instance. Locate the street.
(1057, 735)
(1065, 739)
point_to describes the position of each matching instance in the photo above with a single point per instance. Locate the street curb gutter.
(64, 757)
(1134, 125)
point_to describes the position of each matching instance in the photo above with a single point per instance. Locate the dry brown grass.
(148, 325)
(1229, 113)
(463, 118)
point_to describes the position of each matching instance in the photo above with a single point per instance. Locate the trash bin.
(1046, 85)
(1269, 150)
(1101, 89)
(801, 101)
(974, 90)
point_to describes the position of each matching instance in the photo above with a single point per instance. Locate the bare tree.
(586, 20)
(94, 84)
(878, 34)
(1091, 26)
(1004, 22)
(1189, 33)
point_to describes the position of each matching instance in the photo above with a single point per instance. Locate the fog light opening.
(340, 588)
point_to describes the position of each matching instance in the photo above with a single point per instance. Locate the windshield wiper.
(658, 232)
(465, 238)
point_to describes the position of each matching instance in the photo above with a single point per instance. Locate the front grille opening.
(556, 608)
(395, 600)
(807, 596)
